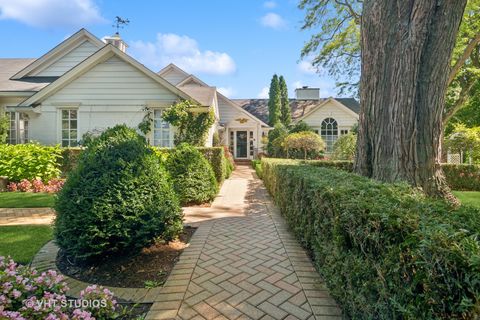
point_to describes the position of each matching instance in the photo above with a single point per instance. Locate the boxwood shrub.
(118, 199)
(384, 250)
(192, 175)
(29, 161)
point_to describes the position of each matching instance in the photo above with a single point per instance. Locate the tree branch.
(350, 9)
(459, 104)
(466, 53)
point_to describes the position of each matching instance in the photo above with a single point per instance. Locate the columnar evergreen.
(285, 112)
(274, 101)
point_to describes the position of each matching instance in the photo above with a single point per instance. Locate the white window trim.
(59, 122)
(152, 131)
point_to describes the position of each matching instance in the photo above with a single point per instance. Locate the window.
(231, 142)
(18, 127)
(162, 136)
(251, 143)
(329, 133)
(343, 132)
(69, 128)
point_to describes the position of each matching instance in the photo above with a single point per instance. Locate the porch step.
(243, 161)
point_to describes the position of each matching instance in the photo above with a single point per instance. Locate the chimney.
(306, 93)
(117, 41)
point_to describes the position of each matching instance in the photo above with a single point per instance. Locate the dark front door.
(242, 144)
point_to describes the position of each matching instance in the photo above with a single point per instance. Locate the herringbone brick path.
(246, 267)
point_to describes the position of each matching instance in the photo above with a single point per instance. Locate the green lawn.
(23, 242)
(26, 200)
(468, 197)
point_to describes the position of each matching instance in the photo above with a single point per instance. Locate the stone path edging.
(21, 216)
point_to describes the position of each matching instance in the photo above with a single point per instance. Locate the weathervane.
(120, 23)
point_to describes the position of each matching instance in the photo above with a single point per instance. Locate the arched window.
(329, 133)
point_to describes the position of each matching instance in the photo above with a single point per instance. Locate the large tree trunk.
(406, 51)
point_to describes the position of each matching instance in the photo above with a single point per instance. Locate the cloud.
(269, 4)
(273, 20)
(264, 93)
(306, 67)
(184, 52)
(227, 91)
(51, 13)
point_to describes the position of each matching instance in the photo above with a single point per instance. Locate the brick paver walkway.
(20, 216)
(243, 266)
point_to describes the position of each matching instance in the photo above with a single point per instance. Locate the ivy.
(146, 125)
(192, 126)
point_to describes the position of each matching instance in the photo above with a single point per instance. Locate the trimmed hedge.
(221, 165)
(69, 159)
(462, 177)
(192, 175)
(385, 251)
(29, 161)
(117, 200)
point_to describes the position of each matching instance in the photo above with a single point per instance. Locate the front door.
(242, 144)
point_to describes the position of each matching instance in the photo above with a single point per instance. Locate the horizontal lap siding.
(112, 92)
(174, 77)
(227, 112)
(331, 110)
(70, 60)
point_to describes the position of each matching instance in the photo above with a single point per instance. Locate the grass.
(23, 242)
(26, 200)
(468, 197)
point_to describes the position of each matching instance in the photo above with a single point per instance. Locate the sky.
(234, 45)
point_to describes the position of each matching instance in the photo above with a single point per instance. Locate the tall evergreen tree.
(274, 102)
(285, 112)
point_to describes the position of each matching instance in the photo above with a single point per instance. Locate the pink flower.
(12, 186)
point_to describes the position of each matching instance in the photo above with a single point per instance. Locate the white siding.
(111, 93)
(174, 76)
(69, 60)
(331, 110)
(227, 112)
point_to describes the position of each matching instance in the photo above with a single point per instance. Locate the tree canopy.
(285, 112)
(274, 101)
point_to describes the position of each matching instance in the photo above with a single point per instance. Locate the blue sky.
(235, 45)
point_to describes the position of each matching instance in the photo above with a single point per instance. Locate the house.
(85, 85)
(329, 117)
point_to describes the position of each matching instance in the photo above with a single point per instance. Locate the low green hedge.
(462, 177)
(29, 161)
(221, 165)
(384, 250)
(257, 166)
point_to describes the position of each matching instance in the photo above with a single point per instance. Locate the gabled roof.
(193, 78)
(299, 108)
(204, 95)
(9, 67)
(61, 49)
(100, 56)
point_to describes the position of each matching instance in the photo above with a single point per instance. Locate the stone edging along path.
(46, 257)
(19, 216)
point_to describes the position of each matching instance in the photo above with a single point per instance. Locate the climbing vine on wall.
(146, 125)
(192, 123)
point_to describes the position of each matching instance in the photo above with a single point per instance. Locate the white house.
(86, 85)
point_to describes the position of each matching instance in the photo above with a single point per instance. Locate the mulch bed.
(149, 268)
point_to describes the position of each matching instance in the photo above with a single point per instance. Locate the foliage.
(344, 147)
(469, 115)
(118, 199)
(274, 102)
(22, 242)
(36, 186)
(145, 126)
(69, 159)
(219, 158)
(462, 176)
(216, 139)
(4, 125)
(24, 288)
(384, 250)
(275, 140)
(336, 47)
(464, 140)
(285, 112)
(193, 177)
(192, 126)
(29, 161)
(257, 166)
(307, 144)
(300, 126)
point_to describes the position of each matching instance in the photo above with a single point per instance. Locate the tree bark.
(406, 51)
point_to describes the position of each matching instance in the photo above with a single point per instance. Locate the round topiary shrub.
(192, 175)
(118, 199)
